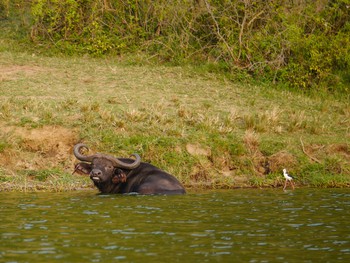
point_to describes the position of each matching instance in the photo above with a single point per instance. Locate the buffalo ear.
(82, 168)
(119, 176)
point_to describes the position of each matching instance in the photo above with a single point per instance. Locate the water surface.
(304, 225)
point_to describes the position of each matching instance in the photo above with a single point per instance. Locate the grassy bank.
(208, 132)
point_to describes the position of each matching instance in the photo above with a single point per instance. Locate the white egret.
(289, 179)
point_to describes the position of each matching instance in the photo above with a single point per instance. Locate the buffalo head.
(102, 168)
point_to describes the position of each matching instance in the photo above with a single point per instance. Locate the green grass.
(206, 130)
(159, 112)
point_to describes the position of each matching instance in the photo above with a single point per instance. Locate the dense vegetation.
(303, 44)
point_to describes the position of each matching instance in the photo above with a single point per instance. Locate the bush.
(303, 44)
(4, 8)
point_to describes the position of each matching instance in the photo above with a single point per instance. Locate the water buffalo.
(124, 175)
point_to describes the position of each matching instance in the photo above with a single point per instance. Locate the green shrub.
(304, 45)
(4, 8)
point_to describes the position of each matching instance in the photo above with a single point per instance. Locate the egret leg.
(292, 183)
(285, 185)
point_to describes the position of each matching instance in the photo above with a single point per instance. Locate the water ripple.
(226, 226)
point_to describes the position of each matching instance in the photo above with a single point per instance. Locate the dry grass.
(205, 130)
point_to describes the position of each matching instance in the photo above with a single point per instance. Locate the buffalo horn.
(116, 162)
(121, 164)
(81, 157)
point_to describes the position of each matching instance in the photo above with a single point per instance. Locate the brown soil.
(196, 149)
(9, 72)
(320, 151)
(39, 148)
(281, 160)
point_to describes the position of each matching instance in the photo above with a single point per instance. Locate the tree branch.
(308, 155)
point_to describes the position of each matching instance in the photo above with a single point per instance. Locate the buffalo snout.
(96, 175)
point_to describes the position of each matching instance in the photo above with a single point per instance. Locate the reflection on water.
(305, 225)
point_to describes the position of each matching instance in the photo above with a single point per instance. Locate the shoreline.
(42, 187)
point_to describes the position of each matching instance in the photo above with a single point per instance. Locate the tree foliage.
(304, 43)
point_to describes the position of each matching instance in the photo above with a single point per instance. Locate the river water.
(250, 225)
